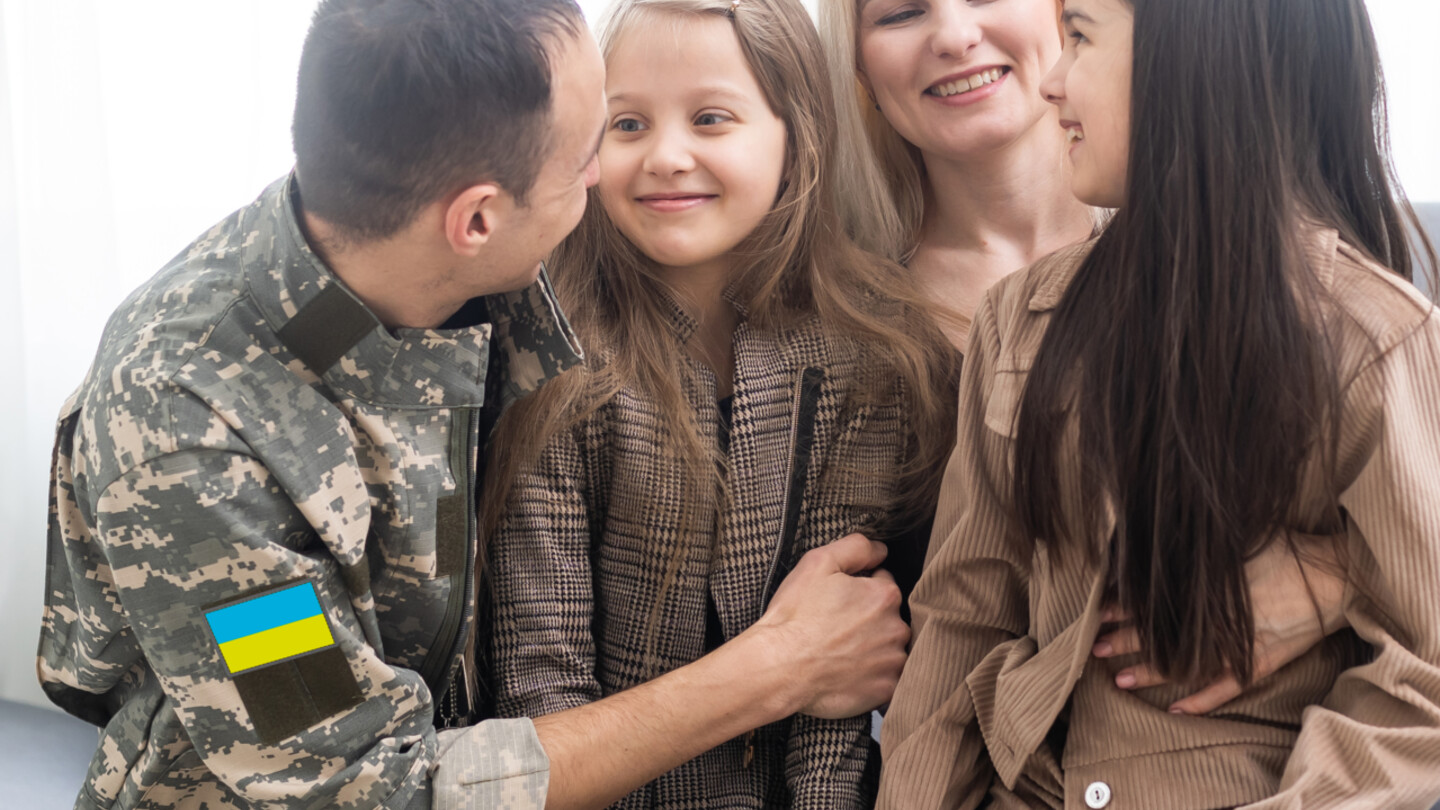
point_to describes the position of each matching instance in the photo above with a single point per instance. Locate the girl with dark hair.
(754, 389)
(1237, 359)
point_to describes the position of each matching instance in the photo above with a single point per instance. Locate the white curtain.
(125, 130)
(128, 128)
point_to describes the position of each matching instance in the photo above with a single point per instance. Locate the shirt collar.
(421, 368)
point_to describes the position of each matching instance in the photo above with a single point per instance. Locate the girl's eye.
(629, 125)
(1078, 37)
(710, 119)
(899, 17)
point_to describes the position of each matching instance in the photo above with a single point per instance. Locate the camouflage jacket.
(262, 530)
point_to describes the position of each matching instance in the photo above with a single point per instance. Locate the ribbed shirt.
(1001, 698)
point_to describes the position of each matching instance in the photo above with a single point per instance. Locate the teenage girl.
(1238, 358)
(755, 388)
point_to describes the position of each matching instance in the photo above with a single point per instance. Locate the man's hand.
(839, 627)
(1286, 623)
(831, 645)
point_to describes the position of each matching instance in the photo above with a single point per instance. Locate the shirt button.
(1097, 795)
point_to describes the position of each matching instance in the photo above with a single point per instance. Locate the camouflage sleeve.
(497, 765)
(544, 603)
(188, 531)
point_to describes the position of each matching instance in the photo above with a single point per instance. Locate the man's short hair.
(403, 101)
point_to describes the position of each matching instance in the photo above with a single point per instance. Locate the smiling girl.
(754, 389)
(1239, 355)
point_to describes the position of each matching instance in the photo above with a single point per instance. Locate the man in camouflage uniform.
(263, 531)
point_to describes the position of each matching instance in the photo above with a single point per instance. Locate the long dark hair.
(1190, 351)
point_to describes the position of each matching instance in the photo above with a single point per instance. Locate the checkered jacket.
(581, 558)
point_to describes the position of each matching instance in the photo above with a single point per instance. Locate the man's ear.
(474, 214)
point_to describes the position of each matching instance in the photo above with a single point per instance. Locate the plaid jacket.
(580, 559)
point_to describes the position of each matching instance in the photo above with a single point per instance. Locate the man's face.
(557, 199)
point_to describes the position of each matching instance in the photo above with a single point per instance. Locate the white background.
(128, 128)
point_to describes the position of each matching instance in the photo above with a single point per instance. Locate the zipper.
(444, 658)
(802, 440)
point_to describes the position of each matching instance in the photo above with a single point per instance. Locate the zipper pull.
(469, 681)
(749, 750)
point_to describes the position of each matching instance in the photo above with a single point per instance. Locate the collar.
(1055, 273)
(682, 324)
(339, 339)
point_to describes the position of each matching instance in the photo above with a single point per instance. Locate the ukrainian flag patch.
(271, 627)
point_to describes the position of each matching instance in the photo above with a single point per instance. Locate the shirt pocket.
(1002, 409)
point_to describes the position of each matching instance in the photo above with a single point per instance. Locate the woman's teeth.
(1073, 135)
(967, 84)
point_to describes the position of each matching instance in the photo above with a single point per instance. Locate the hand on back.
(1285, 594)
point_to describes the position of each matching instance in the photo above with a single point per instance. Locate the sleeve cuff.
(498, 763)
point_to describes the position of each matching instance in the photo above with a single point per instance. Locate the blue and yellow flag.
(270, 628)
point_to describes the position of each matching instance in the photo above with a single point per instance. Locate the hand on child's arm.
(841, 628)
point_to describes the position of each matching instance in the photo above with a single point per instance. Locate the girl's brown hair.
(797, 264)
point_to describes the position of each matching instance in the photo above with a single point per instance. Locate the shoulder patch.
(283, 658)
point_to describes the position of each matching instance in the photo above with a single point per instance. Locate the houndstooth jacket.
(580, 559)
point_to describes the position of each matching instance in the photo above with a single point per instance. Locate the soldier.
(262, 547)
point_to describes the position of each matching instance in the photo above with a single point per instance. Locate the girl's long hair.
(1191, 352)
(798, 264)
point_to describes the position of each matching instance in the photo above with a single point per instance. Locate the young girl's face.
(1091, 86)
(693, 156)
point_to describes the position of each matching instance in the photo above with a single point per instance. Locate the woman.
(968, 187)
(942, 175)
(1238, 356)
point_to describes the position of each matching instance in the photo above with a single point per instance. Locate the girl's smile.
(674, 202)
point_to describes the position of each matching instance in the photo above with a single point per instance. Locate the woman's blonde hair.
(880, 188)
(797, 264)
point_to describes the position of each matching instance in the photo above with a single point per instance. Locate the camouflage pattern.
(467, 772)
(202, 459)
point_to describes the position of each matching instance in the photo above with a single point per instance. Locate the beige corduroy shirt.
(1001, 698)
